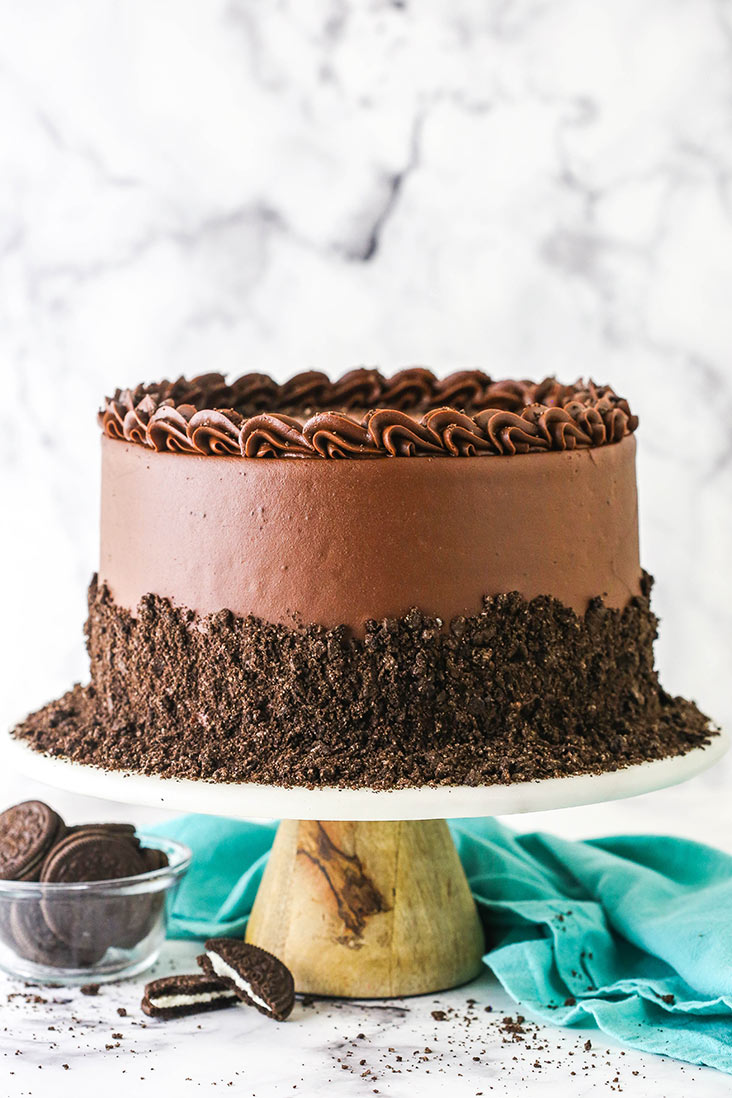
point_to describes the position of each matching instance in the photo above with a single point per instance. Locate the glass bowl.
(92, 931)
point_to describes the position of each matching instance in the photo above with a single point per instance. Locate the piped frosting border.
(364, 414)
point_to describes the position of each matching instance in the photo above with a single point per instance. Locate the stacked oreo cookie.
(233, 973)
(63, 928)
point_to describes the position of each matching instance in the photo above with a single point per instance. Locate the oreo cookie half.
(174, 996)
(257, 977)
(27, 833)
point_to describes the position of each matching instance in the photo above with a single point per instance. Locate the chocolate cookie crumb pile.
(234, 972)
(519, 692)
(65, 929)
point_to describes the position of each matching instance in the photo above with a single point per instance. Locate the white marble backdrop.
(530, 186)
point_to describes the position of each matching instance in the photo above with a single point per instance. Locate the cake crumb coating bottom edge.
(521, 691)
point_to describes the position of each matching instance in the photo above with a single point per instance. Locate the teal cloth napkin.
(633, 933)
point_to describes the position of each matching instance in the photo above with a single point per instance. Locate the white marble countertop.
(391, 1048)
(354, 1046)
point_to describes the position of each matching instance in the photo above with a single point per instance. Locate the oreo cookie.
(257, 977)
(143, 910)
(27, 832)
(153, 858)
(140, 916)
(123, 830)
(99, 921)
(92, 856)
(34, 940)
(174, 996)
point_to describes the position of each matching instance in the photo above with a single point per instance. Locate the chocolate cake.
(371, 581)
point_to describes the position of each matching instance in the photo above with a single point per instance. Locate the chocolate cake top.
(364, 414)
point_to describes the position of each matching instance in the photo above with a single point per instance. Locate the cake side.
(341, 542)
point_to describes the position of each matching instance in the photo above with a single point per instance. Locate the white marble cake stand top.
(248, 801)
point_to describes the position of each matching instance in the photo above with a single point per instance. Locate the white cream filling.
(221, 968)
(165, 1002)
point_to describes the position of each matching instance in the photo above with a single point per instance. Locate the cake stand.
(374, 902)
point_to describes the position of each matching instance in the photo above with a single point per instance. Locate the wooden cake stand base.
(368, 910)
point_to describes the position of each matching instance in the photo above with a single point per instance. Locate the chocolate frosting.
(339, 542)
(364, 415)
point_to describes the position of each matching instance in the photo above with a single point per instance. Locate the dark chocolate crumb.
(89, 989)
